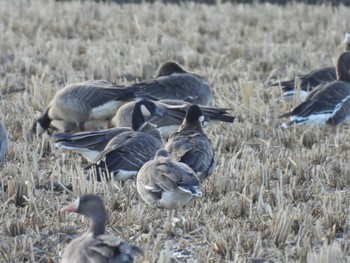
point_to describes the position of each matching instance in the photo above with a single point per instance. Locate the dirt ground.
(279, 195)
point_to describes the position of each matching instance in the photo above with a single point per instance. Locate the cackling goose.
(174, 112)
(81, 102)
(124, 155)
(88, 144)
(173, 82)
(329, 103)
(312, 79)
(191, 146)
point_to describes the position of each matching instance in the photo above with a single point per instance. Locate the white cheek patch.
(201, 119)
(39, 129)
(145, 111)
(347, 38)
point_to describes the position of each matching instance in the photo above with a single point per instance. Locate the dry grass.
(276, 194)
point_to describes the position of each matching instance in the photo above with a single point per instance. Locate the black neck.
(347, 47)
(44, 122)
(137, 119)
(189, 126)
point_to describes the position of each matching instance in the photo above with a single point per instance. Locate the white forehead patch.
(77, 203)
(201, 118)
(145, 111)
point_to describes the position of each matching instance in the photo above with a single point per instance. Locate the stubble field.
(280, 195)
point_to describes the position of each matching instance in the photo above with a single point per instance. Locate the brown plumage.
(174, 82)
(165, 183)
(311, 80)
(124, 155)
(327, 104)
(81, 102)
(191, 146)
(173, 111)
(94, 245)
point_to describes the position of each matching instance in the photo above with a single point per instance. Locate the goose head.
(343, 67)
(92, 207)
(142, 109)
(41, 124)
(169, 67)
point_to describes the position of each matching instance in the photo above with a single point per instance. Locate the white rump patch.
(289, 95)
(90, 155)
(145, 111)
(319, 119)
(124, 175)
(201, 119)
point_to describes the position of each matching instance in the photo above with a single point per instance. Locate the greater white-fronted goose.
(191, 146)
(4, 143)
(94, 245)
(88, 144)
(124, 155)
(174, 112)
(81, 102)
(174, 82)
(310, 80)
(165, 183)
(327, 104)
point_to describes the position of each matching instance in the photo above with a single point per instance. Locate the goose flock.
(153, 132)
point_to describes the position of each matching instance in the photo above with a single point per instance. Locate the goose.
(173, 112)
(329, 103)
(167, 184)
(89, 144)
(191, 146)
(124, 155)
(81, 102)
(172, 81)
(311, 80)
(94, 245)
(4, 143)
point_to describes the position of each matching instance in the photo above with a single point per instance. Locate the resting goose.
(81, 102)
(173, 112)
(312, 79)
(88, 144)
(4, 143)
(327, 104)
(95, 246)
(165, 183)
(124, 155)
(191, 146)
(174, 82)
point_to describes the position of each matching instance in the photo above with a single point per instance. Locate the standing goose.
(81, 102)
(88, 144)
(327, 104)
(124, 155)
(191, 146)
(174, 82)
(164, 183)
(174, 112)
(4, 143)
(95, 246)
(312, 79)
